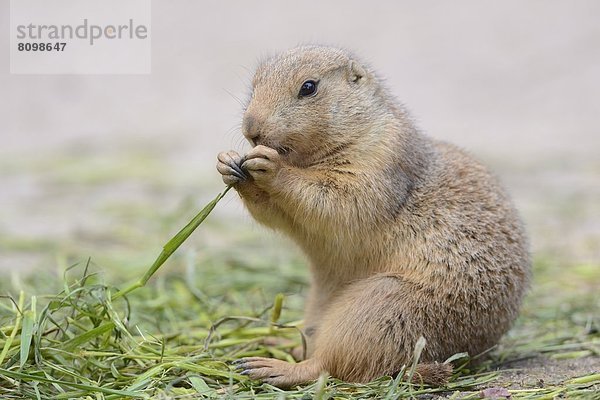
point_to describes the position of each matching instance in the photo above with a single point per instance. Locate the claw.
(237, 171)
(230, 169)
(238, 367)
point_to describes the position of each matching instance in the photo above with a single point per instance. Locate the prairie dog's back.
(468, 246)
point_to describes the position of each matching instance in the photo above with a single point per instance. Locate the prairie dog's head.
(309, 100)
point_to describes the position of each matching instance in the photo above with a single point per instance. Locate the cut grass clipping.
(174, 341)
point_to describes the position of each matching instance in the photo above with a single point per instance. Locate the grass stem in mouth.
(172, 245)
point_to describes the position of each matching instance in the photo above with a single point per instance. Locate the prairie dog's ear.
(355, 72)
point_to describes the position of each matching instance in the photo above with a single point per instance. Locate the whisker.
(237, 99)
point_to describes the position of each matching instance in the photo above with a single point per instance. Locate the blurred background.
(110, 167)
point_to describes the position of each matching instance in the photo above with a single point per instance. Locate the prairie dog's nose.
(251, 127)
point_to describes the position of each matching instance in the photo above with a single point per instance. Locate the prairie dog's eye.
(308, 88)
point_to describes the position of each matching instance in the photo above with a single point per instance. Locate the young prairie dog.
(406, 236)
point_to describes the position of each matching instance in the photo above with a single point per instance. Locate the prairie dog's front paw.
(229, 166)
(262, 163)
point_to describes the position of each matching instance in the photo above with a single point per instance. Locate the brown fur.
(406, 236)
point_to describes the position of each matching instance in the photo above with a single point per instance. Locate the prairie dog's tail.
(434, 374)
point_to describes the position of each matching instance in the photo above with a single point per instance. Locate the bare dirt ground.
(542, 371)
(89, 162)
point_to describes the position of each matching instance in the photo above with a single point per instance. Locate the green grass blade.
(173, 244)
(419, 346)
(201, 386)
(584, 379)
(184, 233)
(26, 335)
(90, 388)
(276, 311)
(77, 341)
(17, 325)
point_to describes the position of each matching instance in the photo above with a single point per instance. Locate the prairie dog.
(406, 236)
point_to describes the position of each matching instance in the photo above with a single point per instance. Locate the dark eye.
(308, 88)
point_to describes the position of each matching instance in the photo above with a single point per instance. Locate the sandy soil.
(542, 371)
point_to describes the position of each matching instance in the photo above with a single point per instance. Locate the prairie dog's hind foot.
(277, 372)
(285, 375)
